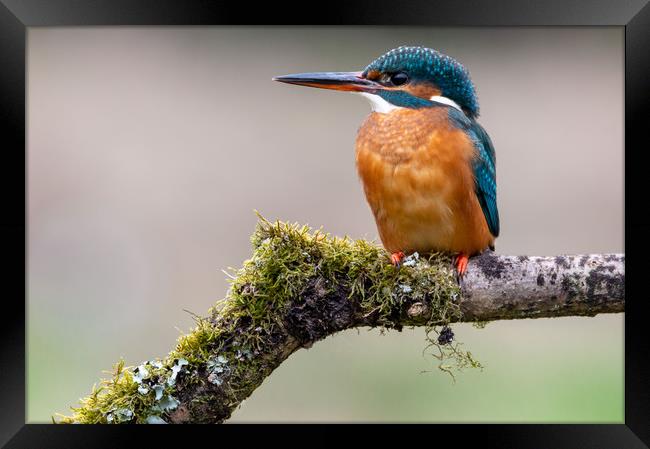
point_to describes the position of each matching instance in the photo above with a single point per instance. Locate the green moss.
(286, 258)
(196, 347)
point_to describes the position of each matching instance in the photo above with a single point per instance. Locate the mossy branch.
(301, 286)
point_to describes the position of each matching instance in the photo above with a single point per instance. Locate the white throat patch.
(378, 104)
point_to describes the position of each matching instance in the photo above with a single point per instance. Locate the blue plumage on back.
(484, 167)
(485, 174)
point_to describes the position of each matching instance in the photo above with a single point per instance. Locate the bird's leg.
(460, 262)
(396, 258)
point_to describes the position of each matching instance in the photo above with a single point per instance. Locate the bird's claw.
(396, 259)
(460, 263)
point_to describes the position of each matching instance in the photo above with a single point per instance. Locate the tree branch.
(501, 287)
(301, 286)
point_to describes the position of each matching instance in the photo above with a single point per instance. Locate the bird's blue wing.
(484, 166)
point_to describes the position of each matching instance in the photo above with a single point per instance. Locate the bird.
(428, 168)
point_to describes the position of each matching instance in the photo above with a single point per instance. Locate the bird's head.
(405, 77)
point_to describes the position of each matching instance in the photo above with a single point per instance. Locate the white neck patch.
(378, 104)
(382, 106)
(445, 100)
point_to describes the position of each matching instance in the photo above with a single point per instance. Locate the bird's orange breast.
(418, 180)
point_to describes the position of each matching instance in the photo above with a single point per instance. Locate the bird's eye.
(399, 78)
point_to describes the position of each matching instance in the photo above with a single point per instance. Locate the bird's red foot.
(461, 264)
(396, 258)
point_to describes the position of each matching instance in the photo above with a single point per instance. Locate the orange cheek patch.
(422, 90)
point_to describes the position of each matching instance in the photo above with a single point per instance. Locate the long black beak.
(348, 81)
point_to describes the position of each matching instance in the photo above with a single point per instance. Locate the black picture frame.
(17, 15)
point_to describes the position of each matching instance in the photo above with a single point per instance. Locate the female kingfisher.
(427, 167)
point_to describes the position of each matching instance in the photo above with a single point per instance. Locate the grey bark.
(500, 287)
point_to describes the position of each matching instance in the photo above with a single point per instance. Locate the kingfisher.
(427, 167)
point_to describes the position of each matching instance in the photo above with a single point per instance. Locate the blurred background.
(149, 148)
